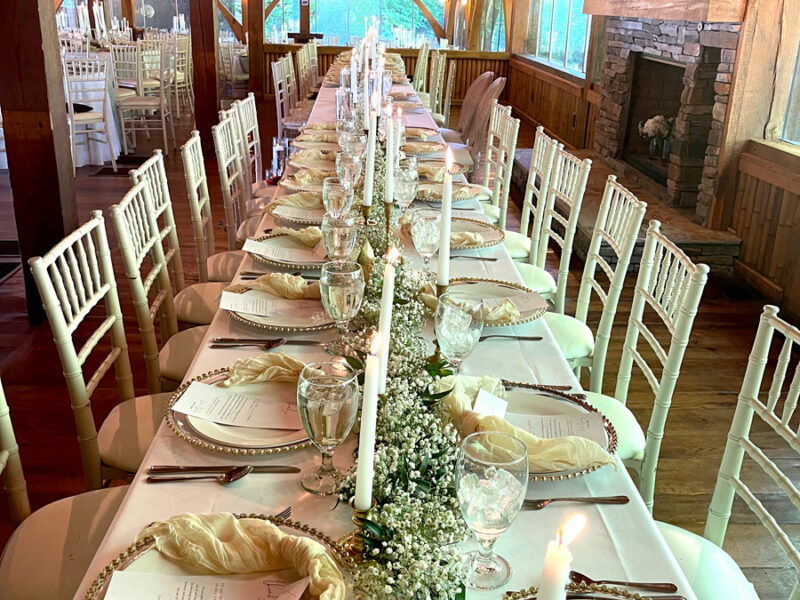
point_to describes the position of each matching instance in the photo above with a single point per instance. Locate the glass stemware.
(491, 480)
(344, 127)
(339, 236)
(425, 226)
(458, 323)
(406, 180)
(327, 400)
(342, 289)
(336, 197)
(348, 169)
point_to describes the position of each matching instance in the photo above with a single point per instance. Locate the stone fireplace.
(678, 69)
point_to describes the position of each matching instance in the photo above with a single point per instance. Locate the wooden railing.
(766, 215)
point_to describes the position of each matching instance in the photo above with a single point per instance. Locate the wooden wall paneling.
(36, 134)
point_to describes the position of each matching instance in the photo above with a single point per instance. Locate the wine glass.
(339, 236)
(348, 169)
(406, 179)
(344, 127)
(425, 226)
(458, 323)
(354, 145)
(327, 400)
(491, 480)
(341, 286)
(336, 197)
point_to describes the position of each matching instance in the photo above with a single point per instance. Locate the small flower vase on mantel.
(666, 149)
(653, 146)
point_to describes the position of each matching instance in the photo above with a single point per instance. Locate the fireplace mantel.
(708, 11)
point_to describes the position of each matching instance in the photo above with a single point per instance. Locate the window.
(791, 123)
(558, 34)
(493, 36)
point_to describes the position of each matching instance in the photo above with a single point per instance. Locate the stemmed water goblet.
(406, 180)
(458, 323)
(341, 286)
(327, 401)
(339, 236)
(491, 480)
(348, 169)
(425, 226)
(336, 197)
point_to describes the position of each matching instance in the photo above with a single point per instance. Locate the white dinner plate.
(281, 240)
(300, 216)
(489, 289)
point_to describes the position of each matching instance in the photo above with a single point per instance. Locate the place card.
(262, 304)
(489, 405)
(275, 585)
(279, 254)
(588, 425)
(228, 407)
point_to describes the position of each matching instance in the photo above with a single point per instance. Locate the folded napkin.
(221, 543)
(271, 366)
(318, 136)
(306, 177)
(420, 132)
(307, 200)
(544, 455)
(308, 236)
(427, 295)
(500, 314)
(431, 172)
(320, 126)
(464, 238)
(434, 191)
(283, 285)
(315, 154)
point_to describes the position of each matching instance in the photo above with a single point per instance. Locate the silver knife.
(266, 341)
(171, 469)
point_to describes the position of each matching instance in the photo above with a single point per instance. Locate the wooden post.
(36, 133)
(203, 19)
(128, 11)
(305, 17)
(267, 119)
(244, 17)
(520, 17)
(475, 24)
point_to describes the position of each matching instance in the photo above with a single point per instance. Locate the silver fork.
(540, 504)
(284, 514)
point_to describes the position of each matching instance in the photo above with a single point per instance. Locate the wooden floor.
(696, 430)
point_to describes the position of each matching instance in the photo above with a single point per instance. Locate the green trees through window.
(558, 34)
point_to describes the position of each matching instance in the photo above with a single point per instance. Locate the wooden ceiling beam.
(438, 30)
(474, 24)
(238, 31)
(58, 4)
(270, 7)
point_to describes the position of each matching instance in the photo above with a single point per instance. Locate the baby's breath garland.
(409, 541)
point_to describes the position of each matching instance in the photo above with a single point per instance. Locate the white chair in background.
(125, 64)
(32, 564)
(231, 176)
(299, 104)
(196, 303)
(248, 117)
(286, 119)
(237, 80)
(616, 230)
(74, 48)
(443, 118)
(211, 266)
(139, 243)
(469, 106)
(498, 161)
(671, 284)
(73, 279)
(87, 81)
(183, 85)
(420, 79)
(711, 572)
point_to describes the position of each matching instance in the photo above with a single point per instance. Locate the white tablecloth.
(620, 542)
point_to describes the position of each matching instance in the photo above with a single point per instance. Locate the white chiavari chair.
(498, 161)
(87, 81)
(231, 178)
(671, 284)
(424, 96)
(248, 115)
(558, 223)
(313, 64)
(711, 572)
(149, 109)
(286, 119)
(147, 272)
(237, 80)
(100, 31)
(299, 106)
(443, 118)
(616, 230)
(73, 279)
(125, 64)
(32, 565)
(196, 303)
(183, 85)
(420, 79)
(72, 47)
(221, 266)
(468, 108)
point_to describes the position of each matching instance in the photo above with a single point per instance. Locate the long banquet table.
(619, 542)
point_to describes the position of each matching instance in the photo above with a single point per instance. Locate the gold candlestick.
(353, 542)
(387, 211)
(441, 289)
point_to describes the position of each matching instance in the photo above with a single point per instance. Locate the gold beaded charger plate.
(281, 240)
(143, 557)
(432, 192)
(229, 439)
(422, 148)
(307, 145)
(293, 214)
(421, 133)
(307, 320)
(310, 163)
(535, 399)
(495, 290)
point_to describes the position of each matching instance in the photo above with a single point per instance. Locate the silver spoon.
(229, 476)
(578, 577)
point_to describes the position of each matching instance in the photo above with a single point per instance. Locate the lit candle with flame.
(444, 230)
(385, 321)
(365, 471)
(557, 561)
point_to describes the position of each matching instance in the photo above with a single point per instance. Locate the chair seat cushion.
(629, 433)
(50, 552)
(518, 245)
(438, 118)
(248, 228)
(199, 302)
(127, 432)
(451, 136)
(90, 116)
(141, 102)
(711, 572)
(177, 354)
(537, 279)
(573, 337)
(491, 211)
(223, 265)
(124, 92)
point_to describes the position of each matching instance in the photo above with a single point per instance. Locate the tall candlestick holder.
(441, 289)
(353, 542)
(387, 211)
